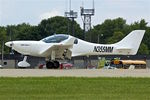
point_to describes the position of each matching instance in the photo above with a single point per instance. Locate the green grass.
(65, 88)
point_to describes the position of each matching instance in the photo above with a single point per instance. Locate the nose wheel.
(52, 65)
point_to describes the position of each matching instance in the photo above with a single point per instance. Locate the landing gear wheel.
(49, 65)
(56, 64)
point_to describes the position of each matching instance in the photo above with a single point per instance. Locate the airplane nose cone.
(9, 44)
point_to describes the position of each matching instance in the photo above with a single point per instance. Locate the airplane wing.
(61, 50)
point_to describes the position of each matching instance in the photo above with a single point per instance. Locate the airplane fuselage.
(82, 48)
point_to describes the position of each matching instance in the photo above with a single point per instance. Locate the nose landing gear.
(24, 63)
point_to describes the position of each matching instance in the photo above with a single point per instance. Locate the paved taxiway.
(73, 73)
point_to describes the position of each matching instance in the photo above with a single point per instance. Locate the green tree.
(117, 36)
(143, 49)
(108, 27)
(139, 25)
(146, 39)
(23, 32)
(3, 37)
(58, 25)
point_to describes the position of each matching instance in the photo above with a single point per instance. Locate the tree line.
(110, 31)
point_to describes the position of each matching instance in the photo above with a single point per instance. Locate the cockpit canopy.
(57, 38)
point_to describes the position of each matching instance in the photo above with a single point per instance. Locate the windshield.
(55, 38)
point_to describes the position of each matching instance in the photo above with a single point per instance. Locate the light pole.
(87, 14)
(71, 15)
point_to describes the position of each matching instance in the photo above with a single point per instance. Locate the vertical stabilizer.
(131, 42)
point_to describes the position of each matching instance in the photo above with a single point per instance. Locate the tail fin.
(131, 42)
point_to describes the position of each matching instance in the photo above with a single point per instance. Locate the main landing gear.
(52, 64)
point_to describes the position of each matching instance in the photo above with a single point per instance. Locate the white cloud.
(50, 14)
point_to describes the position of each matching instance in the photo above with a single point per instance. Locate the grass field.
(65, 88)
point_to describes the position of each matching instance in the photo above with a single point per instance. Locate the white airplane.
(66, 46)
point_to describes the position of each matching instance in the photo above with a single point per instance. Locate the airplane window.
(55, 38)
(76, 41)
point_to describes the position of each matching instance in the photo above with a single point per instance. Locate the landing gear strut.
(52, 65)
(24, 63)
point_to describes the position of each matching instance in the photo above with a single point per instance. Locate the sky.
(13, 12)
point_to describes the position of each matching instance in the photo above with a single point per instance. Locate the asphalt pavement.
(74, 73)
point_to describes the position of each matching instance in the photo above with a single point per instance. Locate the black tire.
(56, 64)
(49, 65)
